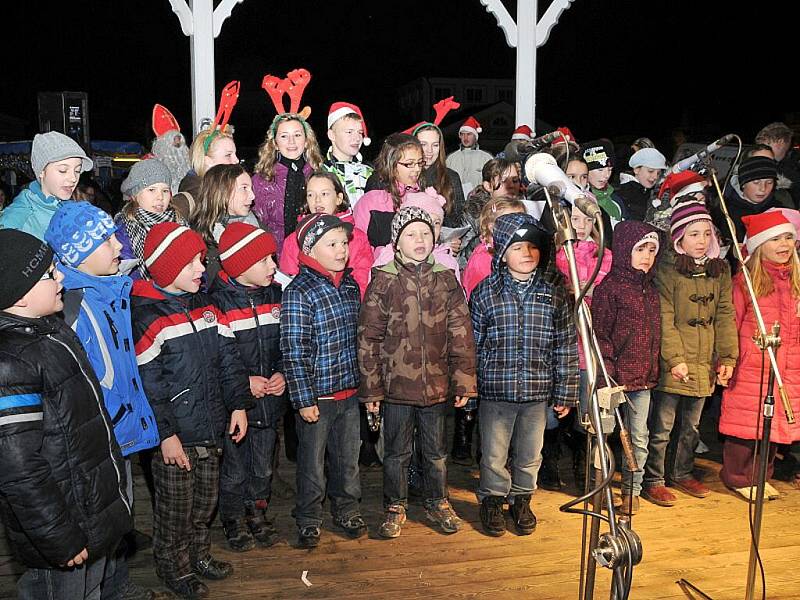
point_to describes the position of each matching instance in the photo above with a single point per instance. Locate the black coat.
(62, 476)
(634, 198)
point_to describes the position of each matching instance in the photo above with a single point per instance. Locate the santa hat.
(566, 136)
(342, 109)
(471, 125)
(765, 226)
(523, 132)
(168, 248)
(242, 245)
(681, 184)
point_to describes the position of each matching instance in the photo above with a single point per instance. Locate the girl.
(325, 194)
(436, 174)
(775, 271)
(698, 347)
(635, 196)
(578, 172)
(211, 147)
(289, 154)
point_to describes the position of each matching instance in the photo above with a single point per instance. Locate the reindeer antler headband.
(227, 100)
(442, 107)
(293, 85)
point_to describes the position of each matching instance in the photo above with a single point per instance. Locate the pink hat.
(431, 201)
(342, 109)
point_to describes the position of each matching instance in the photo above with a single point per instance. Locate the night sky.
(610, 68)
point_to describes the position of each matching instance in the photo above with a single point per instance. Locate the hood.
(109, 287)
(504, 228)
(34, 194)
(626, 234)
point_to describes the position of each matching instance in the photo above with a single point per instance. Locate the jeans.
(516, 426)
(334, 439)
(79, 583)
(399, 421)
(635, 412)
(677, 456)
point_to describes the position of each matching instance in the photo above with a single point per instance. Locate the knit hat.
(23, 260)
(342, 109)
(431, 201)
(651, 237)
(523, 132)
(765, 226)
(681, 184)
(648, 157)
(686, 213)
(471, 125)
(168, 248)
(76, 230)
(242, 245)
(54, 146)
(405, 217)
(757, 167)
(313, 227)
(598, 154)
(144, 174)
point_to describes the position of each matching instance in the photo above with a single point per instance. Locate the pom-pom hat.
(342, 109)
(471, 125)
(523, 132)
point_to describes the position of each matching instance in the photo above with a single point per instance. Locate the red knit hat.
(168, 248)
(765, 226)
(471, 125)
(681, 184)
(523, 132)
(342, 109)
(242, 245)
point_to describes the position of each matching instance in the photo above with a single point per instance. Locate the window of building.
(474, 95)
(505, 95)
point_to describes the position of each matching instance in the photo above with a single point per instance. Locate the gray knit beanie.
(54, 146)
(405, 217)
(143, 174)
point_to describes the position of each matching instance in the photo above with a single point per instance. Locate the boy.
(62, 478)
(97, 307)
(599, 157)
(57, 162)
(527, 358)
(244, 290)
(347, 132)
(416, 350)
(193, 376)
(319, 318)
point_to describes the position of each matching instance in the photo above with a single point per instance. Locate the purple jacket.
(626, 314)
(268, 205)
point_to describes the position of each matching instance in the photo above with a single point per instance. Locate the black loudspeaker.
(67, 112)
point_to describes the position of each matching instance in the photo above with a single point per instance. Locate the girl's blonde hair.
(216, 189)
(762, 280)
(268, 151)
(594, 232)
(198, 149)
(490, 212)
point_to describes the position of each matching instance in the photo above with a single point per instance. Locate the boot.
(238, 536)
(261, 527)
(462, 437)
(492, 518)
(524, 519)
(549, 476)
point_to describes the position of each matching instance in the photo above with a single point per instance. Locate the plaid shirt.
(318, 336)
(526, 342)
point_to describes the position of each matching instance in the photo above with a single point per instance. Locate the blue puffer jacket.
(31, 211)
(102, 322)
(527, 348)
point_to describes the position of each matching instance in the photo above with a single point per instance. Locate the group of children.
(195, 354)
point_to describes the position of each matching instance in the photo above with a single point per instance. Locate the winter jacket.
(353, 174)
(468, 163)
(697, 327)
(268, 203)
(479, 267)
(441, 254)
(455, 218)
(739, 206)
(191, 368)
(319, 319)
(527, 347)
(98, 310)
(62, 476)
(31, 211)
(359, 261)
(634, 198)
(626, 315)
(741, 401)
(373, 215)
(254, 316)
(415, 341)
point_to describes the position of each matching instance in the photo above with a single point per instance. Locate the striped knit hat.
(168, 248)
(242, 245)
(686, 213)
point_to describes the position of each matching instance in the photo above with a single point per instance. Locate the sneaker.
(492, 518)
(629, 505)
(524, 519)
(659, 495)
(308, 536)
(691, 486)
(261, 527)
(354, 527)
(443, 515)
(238, 535)
(393, 521)
(189, 587)
(211, 568)
(131, 591)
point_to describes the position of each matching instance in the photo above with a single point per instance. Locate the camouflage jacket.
(415, 341)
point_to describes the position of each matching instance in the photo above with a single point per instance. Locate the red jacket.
(741, 401)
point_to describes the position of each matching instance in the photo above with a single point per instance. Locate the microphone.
(695, 158)
(543, 169)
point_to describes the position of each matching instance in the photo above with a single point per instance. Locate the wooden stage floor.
(704, 541)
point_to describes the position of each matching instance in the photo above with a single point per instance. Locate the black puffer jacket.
(62, 477)
(190, 366)
(254, 316)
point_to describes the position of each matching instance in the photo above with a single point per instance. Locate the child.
(57, 162)
(415, 350)
(599, 157)
(245, 292)
(325, 195)
(627, 323)
(775, 272)
(527, 360)
(347, 131)
(62, 478)
(194, 376)
(97, 307)
(636, 196)
(698, 346)
(319, 319)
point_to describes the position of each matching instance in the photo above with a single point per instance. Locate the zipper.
(258, 336)
(113, 329)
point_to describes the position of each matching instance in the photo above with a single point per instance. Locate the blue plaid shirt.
(318, 336)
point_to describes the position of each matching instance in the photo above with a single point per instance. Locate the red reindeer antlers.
(294, 84)
(227, 100)
(442, 107)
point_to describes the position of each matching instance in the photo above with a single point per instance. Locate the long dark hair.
(386, 163)
(441, 180)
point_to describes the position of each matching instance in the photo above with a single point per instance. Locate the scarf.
(140, 224)
(294, 198)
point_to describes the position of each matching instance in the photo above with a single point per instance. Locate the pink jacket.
(373, 215)
(360, 254)
(479, 267)
(741, 400)
(441, 253)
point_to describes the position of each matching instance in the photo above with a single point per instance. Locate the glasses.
(411, 165)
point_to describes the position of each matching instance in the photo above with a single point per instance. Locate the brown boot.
(660, 495)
